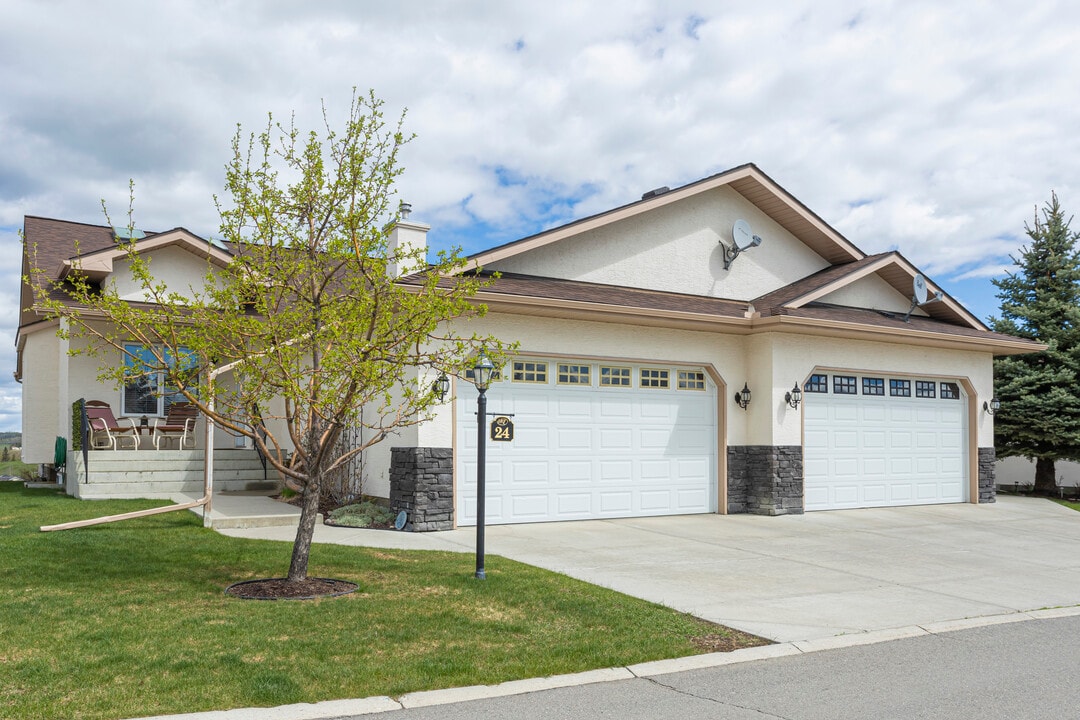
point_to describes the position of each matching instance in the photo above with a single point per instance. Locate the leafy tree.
(305, 318)
(1040, 393)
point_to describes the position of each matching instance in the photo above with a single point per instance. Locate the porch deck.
(164, 473)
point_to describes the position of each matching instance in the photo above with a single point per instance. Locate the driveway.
(801, 577)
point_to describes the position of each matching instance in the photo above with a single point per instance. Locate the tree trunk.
(309, 511)
(1045, 477)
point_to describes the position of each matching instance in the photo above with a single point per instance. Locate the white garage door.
(592, 440)
(874, 441)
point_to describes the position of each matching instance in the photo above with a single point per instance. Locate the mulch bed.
(282, 589)
(735, 640)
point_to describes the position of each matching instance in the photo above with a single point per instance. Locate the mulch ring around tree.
(282, 589)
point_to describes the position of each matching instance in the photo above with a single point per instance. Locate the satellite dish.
(742, 238)
(742, 235)
(919, 286)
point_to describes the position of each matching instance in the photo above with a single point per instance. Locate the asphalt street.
(1019, 671)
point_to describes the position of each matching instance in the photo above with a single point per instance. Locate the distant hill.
(11, 438)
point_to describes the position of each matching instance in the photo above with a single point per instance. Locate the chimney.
(406, 237)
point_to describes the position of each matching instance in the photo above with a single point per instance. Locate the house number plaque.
(502, 429)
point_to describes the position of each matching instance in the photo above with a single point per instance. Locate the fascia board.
(857, 331)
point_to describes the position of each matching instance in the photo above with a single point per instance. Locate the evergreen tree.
(1040, 393)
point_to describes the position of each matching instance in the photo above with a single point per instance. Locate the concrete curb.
(367, 706)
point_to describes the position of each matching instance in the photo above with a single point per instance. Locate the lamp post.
(482, 372)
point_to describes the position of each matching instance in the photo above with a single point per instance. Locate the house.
(715, 348)
(53, 380)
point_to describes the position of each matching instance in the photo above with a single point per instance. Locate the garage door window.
(573, 374)
(925, 389)
(817, 384)
(611, 376)
(530, 371)
(950, 391)
(654, 378)
(873, 386)
(691, 380)
(844, 385)
(900, 388)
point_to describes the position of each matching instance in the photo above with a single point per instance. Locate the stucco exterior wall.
(871, 292)
(684, 236)
(177, 268)
(40, 396)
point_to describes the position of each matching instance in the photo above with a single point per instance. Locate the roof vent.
(655, 192)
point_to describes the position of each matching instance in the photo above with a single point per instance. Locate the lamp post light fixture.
(441, 386)
(482, 372)
(793, 396)
(742, 397)
(992, 407)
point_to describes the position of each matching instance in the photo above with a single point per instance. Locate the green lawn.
(130, 619)
(1069, 504)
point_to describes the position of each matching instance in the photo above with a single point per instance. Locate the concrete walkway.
(796, 578)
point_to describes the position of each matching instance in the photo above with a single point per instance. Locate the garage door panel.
(846, 413)
(616, 439)
(616, 471)
(902, 450)
(901, 492)
(652, 470)
(571, 471)
(654, 438)
(574, 438)
(528, 473)
(655, 500)
(615, 502)
(615, 407)
(572, 504)
(529, 507)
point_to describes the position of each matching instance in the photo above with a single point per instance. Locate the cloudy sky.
(932, 128)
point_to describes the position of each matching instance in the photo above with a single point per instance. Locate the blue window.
(146, 391)
(817, 384)
(925, 388)
(900, 388)
(873, 386)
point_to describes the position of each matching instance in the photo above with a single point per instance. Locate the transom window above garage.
(654, 378)
(691, 380)
(615, 376)
(571, 374)
(875, 386)
(530, 371)
(844, 385)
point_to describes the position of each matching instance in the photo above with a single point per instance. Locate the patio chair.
(106, 431)
(179, 425)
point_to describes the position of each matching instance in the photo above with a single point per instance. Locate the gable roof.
(747, 180)
(892, 267)
(62, 246)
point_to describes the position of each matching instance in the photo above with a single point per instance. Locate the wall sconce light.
(793, 396)
(742, 397)
(441, 386)
(992, 407)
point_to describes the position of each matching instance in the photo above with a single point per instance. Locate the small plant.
(362, 515)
